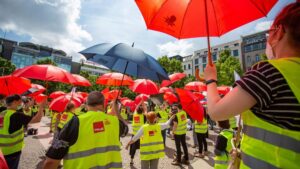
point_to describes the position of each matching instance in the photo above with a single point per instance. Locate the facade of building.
(177, 57)
(198, 60)
(253, 46)
(6, 48)
(93, 68)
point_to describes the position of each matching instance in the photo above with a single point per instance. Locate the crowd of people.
(267, 98)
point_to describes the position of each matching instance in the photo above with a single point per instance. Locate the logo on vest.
(182, 117)
(151, 133)
(98, 127)
(137, 119)
(64, 117)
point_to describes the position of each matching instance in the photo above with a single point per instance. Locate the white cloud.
(261, 26)
(47, 22)
(179, 47)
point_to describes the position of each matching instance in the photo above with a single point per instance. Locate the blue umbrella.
(127, 60)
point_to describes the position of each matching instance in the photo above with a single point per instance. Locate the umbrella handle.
(198, 77)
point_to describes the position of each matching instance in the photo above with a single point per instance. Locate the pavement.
(33, 154)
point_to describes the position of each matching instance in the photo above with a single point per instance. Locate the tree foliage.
(6, 67)
(46, 61)
(226, 65)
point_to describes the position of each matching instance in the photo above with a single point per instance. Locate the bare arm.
(51, 163)
(37, 118)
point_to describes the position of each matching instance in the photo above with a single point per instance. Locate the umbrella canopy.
(59, 104)
(170, 97)
(13, 85)
(173, 78)
(223, 89)
(112, 94)
(81, 81)
(40, 98)
(141, 97)
(191, 104)
(144, 86)
(83, 94)
(37, 89)
(165, 89)
(195, 86)
(45, 72)
(200, 18)
(56, 94)
(199, 95)
(114, 79)
(127, 60)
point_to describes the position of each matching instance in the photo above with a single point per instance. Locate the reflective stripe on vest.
(151, 143)
(98, 144)
(265, 145)
(201, 127)
(10, 143)
(137, 122)
(182, 120)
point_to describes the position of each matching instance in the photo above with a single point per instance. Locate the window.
(214, 56)
(184, 67)
(249, 60)
(204, 65)
(236, 44)
(203, 59)
(196, 67)
(225, 47)
(257, 58)
(196, 61)
(248, 48)
(255, 47)
(235, 52)
(215, 49)
(189, 66)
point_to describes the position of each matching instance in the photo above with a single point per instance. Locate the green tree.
(170, 65)
(263, 57)
(6, 67)
(46, 61)
(226, 65)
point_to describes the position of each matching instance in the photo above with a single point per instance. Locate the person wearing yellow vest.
(268, 98)
(54, 121)
(223, 145)
(138, 120)
(90, 140)
(151, 141)
(163, 116)
(124, 113)
(179, 132)
(12, 122)
(66, 116)
(201, 129)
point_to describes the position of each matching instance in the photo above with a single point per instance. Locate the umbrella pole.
(122, 79)
(207, 31)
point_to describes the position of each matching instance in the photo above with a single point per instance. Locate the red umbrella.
(165, 89)
(40, 89)
(199, 95)
(80, 81)
(59, 104)
(45, 72)
(200, 18)
(223, 90)
(191, 104)
(56, 94)
(40, 98)
(195, 86)
(13, 85)
(83, 94)
(170, 97)
(112, 94)
(173, 78)
(141, 97)
(144, 86)
(114, 79)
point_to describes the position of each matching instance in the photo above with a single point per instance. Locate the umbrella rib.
(254, 4)
(184, 19)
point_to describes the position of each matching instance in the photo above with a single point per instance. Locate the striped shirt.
(276, 103)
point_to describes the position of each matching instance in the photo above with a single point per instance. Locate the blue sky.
(73, 25)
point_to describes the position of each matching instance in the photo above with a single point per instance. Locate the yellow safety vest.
(123, 114)
(28, 113)
(163, 116)
(265, 145)
(98, 144)
(232, 122)
(201, 127)
(64, 119)
(222, 161)
(137, 122)
(55, 121)
(152, 145)
(78, 111)
(181, 126)
(10, 143)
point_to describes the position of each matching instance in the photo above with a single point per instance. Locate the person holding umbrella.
(12, 124)
(163, 115)
(151, 141)
(66, 115)
(268, 98)
(179, 132)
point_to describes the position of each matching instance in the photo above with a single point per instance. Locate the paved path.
(33, 154)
